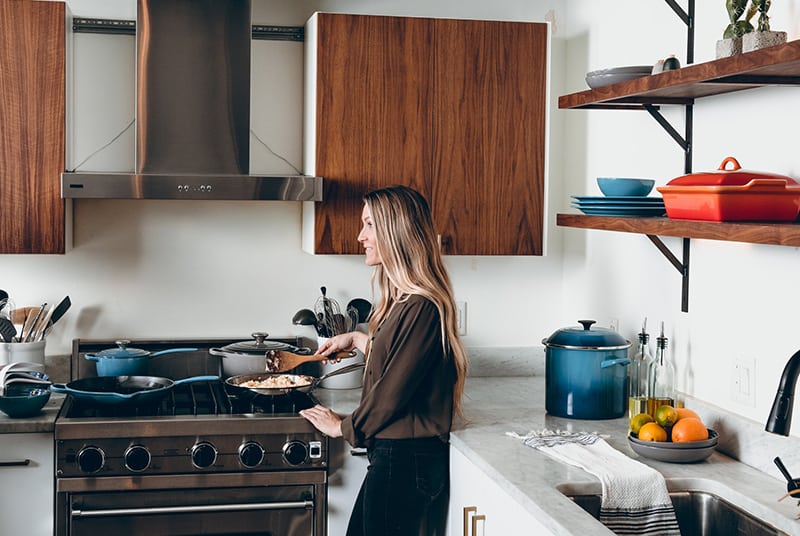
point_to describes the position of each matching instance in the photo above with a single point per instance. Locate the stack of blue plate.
(619, 206)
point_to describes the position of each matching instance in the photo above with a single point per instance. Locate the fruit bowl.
(667, 451)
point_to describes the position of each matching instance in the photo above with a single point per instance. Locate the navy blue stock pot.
(586, 372)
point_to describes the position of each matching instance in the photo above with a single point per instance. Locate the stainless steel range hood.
(192, 111)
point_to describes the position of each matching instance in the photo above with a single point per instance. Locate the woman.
(414, 376)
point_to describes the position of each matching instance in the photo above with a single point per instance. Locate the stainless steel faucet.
(780, 418)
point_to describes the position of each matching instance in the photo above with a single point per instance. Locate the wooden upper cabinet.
(453, 108)
(32, 102)
(489, 125)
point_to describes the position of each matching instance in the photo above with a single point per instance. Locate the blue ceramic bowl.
(23, 400)
(623, 187)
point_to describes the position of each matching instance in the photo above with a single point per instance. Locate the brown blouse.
(408, 381)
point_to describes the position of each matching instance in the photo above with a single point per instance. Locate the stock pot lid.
(258, 345)
(586, 337)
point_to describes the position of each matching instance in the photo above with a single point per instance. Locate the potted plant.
(762, 36)
(731, 42)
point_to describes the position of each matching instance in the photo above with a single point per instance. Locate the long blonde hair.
(411, 263)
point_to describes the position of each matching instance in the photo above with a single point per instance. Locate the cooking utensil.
(306, 317)
(362, 306)
(327, 309)
(30, 322)
(123, 390)
(585, 372)
(250, 357)
(62, 307)
(302, 383)
(7, 330)
(40, 327)
(281, 360)
(125, 361)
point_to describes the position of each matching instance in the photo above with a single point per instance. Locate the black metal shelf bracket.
(681, 265)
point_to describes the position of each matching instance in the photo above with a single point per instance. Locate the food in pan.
(277, 382)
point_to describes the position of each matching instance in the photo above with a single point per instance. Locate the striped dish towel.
(635, 497)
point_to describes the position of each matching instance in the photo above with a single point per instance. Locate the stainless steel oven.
(200, 461)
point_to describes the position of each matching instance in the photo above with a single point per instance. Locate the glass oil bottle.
(637, 375)
(660, 378)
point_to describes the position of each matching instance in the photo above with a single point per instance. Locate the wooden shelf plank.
(781, 234)
(778, 65)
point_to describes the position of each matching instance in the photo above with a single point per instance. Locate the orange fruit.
(651, 431)
(686, 412)
(638, 420)
(689, 429)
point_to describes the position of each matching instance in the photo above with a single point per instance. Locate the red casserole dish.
(732, 195)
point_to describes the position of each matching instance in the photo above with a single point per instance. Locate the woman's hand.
(342, 343)
(324, 420)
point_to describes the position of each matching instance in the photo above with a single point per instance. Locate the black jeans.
(406, 490)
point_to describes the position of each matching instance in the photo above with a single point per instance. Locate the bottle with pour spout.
(660, 378)
(638, 372)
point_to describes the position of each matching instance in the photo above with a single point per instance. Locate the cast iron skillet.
(123, 390)
(304, 384)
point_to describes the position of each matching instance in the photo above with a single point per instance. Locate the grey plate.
(656, 452)
(606, 77)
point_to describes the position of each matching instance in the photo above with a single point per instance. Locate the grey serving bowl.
(615, 75)
(689, 452)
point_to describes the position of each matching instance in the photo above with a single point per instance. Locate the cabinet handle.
(467, 511)
(475, 520)
(14, 463)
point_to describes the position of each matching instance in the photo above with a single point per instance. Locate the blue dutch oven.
(124, 361)
(585, 372)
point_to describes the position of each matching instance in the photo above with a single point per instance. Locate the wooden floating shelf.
(778, 65)
(779, 234)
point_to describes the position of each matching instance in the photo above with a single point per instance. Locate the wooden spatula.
(281, 360)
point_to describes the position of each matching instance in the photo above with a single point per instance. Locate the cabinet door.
(373, 117)
(26, 481)
(489, 136)
(32, 101)
(501, 514)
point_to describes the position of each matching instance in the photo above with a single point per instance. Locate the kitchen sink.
(699, 513)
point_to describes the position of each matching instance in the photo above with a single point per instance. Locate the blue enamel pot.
(125, 361)
(586, 372)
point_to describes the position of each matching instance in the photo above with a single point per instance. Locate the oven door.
(265, 504)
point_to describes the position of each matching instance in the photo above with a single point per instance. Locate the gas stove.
(199, 436)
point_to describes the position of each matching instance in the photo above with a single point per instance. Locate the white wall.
(742, 296)
(174, 269)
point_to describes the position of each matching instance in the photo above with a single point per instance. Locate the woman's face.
(367, 238)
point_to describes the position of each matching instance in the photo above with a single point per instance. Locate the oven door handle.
(76, 512)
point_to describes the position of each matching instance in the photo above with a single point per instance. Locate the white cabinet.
(346, 474)
(26, 484)
(480, 507)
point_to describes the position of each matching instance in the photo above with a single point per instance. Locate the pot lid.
(122, 351)
(728, 176)
(259, 344)
(585, 337)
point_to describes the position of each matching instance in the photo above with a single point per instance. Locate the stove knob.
(203, 455)
(295, 452)
(251, 454)
(137, 458)
(91, 459)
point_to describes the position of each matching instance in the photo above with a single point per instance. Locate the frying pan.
(305, 384)
(123, 390)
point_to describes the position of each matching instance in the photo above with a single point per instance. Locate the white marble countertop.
(494, 406)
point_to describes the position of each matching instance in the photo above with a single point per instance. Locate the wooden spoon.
(281, 360)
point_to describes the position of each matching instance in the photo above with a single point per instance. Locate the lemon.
(666, 416)
(638, 420)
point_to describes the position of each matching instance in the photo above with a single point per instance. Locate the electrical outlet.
(743, 381)
(461, 317)
(614, 324)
